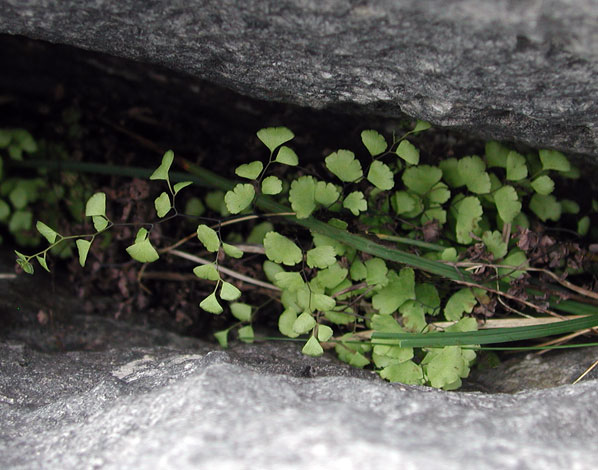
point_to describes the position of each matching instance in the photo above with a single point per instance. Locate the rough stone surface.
(515, 70)
(184, 406)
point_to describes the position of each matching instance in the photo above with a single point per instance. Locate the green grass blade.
(490, 336)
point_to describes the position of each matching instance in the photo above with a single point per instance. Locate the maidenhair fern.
(338, 285)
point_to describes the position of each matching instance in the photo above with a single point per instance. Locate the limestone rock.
(523, 71)
(186, 406)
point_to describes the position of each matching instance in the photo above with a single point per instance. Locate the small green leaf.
(381, 176)
(5, 138)
(374, 142)
(232, 251)
(210, 304)
(250, 171)
(207, 272)
(302, 196)
(322, 302)
(473, 172)
(545, 207)
(439, 193)
(446, 367)
(569, 207)
(222, 338)
(554, 160)
(496, 155)
(48, 233)
(208, 237)
(289, 281)
(469, 213)
(4, 210)
(256, 236)
(272, 137)
(398, 290)
(516, 259)
(287, 156)
(18, 196)
(324, 333)
(99, 222)
(404, 202)
(450, 172)
(304, 323)
(543, 185)
(23, 262)
(229, 292)
(356, 203)
(280, 249)
(271, 185)
(96, 205)
(142, 250)
(25, 140)
(343, 165)
(420, 179)
(321, 257)
(20, 220)
(83, 248)
(421, 126)
(312, 347)
(427, 295)
(358, 271)
(408, 152)
(241, 311)
(162, 204)
(583, 226)
(246, 334)
(239, 198)
(161, 173)
(376, 272)
(495, 244)
(326, 193)
(42, 262)
(286, 320)
(183, 184)
(332, 276)
(413, 316)
(407, 372)
(194, 207)
(516, 166)
(507, 203)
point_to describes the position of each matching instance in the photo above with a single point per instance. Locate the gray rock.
(523, 71)
(169, 406)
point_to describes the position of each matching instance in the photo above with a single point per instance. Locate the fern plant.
(348, 283)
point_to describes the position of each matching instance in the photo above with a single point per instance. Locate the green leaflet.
(281, 250)
(408, 152)
(161, 173)
(554, 160)
(272, 137)
(374, 142)
(302, 196)
(473, 171)
(420, 179)
(239, 198)
(507, 203)
(344, 166)
(250, 171)
(208, 237)
(381, 176)
(287, 156)
(469, 213)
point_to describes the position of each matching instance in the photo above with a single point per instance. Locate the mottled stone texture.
(523, 70)
(130, 405)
